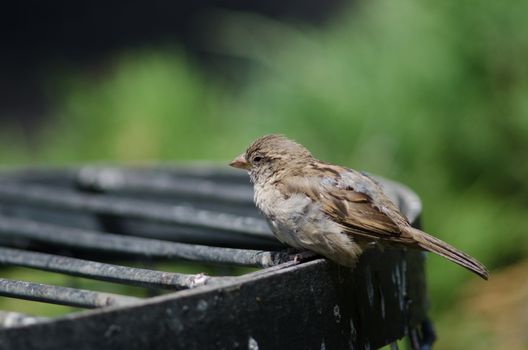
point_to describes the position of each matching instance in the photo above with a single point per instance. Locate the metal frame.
(289, 304)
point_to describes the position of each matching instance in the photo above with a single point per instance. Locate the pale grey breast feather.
(273, 204)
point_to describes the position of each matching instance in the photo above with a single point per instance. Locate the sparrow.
(328, 209)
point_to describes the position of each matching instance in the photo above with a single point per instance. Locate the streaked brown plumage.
(331, 210)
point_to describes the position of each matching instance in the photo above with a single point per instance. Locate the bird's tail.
(434, 245)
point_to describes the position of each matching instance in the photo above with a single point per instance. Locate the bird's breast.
(287, 215)
(299, 222)
(295, 219)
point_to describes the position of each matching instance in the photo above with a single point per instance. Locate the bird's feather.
(332, 210)
(364, 215)
(356, 211)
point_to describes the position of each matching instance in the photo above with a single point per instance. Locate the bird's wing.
(353, 200)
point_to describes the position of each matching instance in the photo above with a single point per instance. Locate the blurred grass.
(430, 94)
(153, 106)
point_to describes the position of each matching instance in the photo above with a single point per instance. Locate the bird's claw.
(301, 256)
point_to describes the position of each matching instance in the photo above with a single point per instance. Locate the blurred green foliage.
(433, 95)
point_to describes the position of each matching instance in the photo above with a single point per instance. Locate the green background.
(434, 95)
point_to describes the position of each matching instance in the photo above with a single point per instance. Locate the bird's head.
(270, 156)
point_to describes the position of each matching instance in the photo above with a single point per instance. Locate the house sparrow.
(328, 209)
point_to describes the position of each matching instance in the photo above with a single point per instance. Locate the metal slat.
(217, 172)
(116, 179)
(13, 230)
(104, 272)
(221, 174)
(146, 210)
(62, 295)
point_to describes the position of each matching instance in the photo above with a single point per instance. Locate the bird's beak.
(240, 162)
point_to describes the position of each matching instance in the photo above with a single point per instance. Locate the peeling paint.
(353, 331)
(404, 274)
(398, 276)
(382, 302)
(112, 331)
(198, 280)
(402, 285)
(337, 313)
(202, 305)
(252, 344)
(370, 286)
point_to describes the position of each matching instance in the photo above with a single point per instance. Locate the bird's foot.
(300, 256)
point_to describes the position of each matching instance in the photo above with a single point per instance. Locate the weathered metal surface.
(314, 305)
(12, 230)
(132, 208)
(111, 179)
(61, 295)
(104, 272)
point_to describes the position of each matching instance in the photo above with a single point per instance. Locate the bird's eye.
(257, 159)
